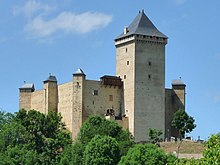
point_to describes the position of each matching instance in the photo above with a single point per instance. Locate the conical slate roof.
(143, 26)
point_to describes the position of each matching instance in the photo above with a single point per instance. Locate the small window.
(149, 77)
(149, 63)
(95, 92)
(124, 76)
(127, 62)
(126, 50)
(110, 98)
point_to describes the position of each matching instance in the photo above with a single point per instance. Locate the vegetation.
(183, 122)
(154, 135)
(102, 150)
(147, 154)
(32, 138)
(35, 138)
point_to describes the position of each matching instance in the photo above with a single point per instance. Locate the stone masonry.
(136, 97)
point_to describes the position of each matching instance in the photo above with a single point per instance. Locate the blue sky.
(38, 37)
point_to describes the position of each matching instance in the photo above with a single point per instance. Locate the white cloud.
(33, 7)
(42, 22)
(68, 22)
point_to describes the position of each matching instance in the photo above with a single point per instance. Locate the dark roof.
(109, 76)
(177, 82)
(79, 72)
(27, 86)
(51, 79)
(143, 26)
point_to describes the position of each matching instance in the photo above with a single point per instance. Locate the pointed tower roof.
(51, 79)
(79, 72)
(143, 26)
(27, 86)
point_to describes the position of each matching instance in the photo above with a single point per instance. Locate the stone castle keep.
(136, 97)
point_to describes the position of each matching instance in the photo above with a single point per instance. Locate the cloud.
(32, 8)
(68, 22)
(44, 22)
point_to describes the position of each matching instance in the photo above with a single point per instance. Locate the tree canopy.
(146, 154)
(102, 150)
(39, 137)
(183, 122)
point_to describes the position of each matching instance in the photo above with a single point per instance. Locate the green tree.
(183, 122)
(72, 154)
(97, 125)
(212, 150)
(154, 135)
(102, 150)
(42, 135)
(146, 154)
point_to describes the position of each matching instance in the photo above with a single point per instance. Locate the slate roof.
(143, 26)
(51, 79)
(177, 82)
(79, 72)
(27, 86)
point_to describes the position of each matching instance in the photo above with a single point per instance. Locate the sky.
(39, 37)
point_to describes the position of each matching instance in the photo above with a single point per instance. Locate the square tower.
(140, 62)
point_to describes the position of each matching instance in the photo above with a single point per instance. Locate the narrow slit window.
(124, 76)
(127, 62)
(149, 63)
(149, 77)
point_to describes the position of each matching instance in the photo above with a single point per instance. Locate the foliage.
(183, 122)
(5, 118)
(33, 134)
(102, 150)
(154, 135)
(146, 154)
(72, 154)
(96, 125)
(190, 162)
(212, 151)
(19, 155)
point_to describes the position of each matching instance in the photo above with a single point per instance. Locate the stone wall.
(65, 98)
(38, 101)
(105, 98)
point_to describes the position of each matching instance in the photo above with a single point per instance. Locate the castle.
(136, 97)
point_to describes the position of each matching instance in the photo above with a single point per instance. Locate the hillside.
(187, 147)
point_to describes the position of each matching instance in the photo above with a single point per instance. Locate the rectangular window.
(127, 62)
(124, 76)
(110, 98)
(95, 92)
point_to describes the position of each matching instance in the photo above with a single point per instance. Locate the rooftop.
(51, 79)
(28, 86)
(143, 26)
(79, 72)
(177, 82)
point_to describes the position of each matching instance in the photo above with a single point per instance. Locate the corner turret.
(51, 94)
(25, 92)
